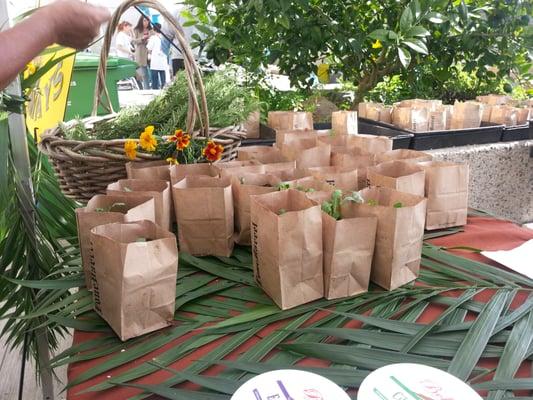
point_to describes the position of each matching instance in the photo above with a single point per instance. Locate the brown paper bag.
(277, 167)
(286, 137)
(487, 112)
(288, 120)
(371, 143)
(494, 99)
(238, 171)
(350, 160)
(399, 236)
(158, 170)
(421, 103)
(287, 175)
(437, 120)
(134, 279)
(348, 251)
(447, 194)
(287, 248)
(252, 125)
(364, 109)
(262, 154)
(181, 171)
(403, 155)
(204, 211)
(523, 116)
(344, 122)
(308, 153)
(308, 184)
(504, 115)
(234, 164)
(159, 190)
(413, 119)
(244, 187)
(466, 115)
(101, 210)
(398, 175)
(338, 177)
(386, 115)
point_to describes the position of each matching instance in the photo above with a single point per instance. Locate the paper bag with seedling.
(287, 247)
(181, 171)
(403, 155)
(245, 186)
(158, 170)
(447, 194)
(205, 216)
(289, 120)
(398, 175)
(348, 246)
(101, 210)
(400, 232)
(134, 285)
(261, 154)
(159, 190)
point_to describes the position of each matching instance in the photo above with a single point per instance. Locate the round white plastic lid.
(414, 382)
(289, 385)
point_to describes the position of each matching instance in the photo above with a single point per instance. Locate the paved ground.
(10, 364)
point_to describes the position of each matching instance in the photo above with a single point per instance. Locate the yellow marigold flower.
(147, 140)
(130, 148)
(377, 45)
(172, 161)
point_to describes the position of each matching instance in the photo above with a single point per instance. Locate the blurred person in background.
(158, 59)
(123, 40)
(141, 34)
(69, 23)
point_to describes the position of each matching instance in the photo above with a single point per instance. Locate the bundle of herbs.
(229, 103)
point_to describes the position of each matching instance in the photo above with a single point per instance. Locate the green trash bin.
(80, 98)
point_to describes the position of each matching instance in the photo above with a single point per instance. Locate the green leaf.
(514, 353)
(506, 384)
(255, 314)
(436, 18)
(406, 20)
(177, 394)
(360, 357)
(417, 31)
(405, 56)
(134, 353)
(417, 45)
(49, 284)
(478, 336)
(429, 327)
(379, 34)
(214, 267)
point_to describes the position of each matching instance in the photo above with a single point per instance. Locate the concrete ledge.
(501, 177)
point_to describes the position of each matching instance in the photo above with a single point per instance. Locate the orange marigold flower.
(182, 140)
(213, 152)
(147, 140)
(130, 148)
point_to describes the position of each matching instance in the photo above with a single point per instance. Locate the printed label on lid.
(414, 382)
(290, 385)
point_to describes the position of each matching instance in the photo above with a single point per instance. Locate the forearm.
(22, 43)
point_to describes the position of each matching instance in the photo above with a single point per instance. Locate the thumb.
(101, 14)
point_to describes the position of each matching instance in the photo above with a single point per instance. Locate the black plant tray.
(401, 139)
(487, 133)
(519, 132)
(267, 137)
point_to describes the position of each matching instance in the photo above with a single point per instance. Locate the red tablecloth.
(481, 232)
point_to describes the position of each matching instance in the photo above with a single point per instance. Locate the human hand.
(72, 23)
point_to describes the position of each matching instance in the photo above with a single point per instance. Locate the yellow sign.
(323, 73)
(48, 98)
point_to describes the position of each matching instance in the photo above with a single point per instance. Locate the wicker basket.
(85, 168)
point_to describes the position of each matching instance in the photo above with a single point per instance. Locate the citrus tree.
(366, 41)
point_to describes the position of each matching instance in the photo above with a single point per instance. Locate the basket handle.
(197, 99)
